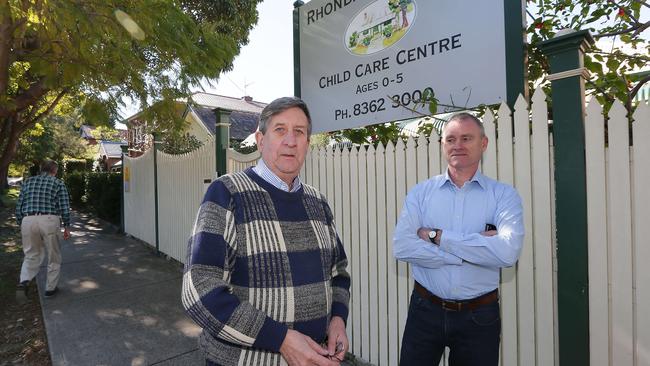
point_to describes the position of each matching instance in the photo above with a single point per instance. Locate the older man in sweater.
(265, 275)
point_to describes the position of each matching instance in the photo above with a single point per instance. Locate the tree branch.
(49, 109)
(635, 30)
(641, 29)
(35, 91)
(530, 14)
(611, 54)
(638, 86)
(608, 97)
(4, 129)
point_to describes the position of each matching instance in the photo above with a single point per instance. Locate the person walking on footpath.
(457, 230)
(265, 275)
(43, 206)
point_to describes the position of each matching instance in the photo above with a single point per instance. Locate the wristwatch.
(432, 235)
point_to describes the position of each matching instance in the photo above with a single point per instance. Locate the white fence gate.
(139, 199)
(182, 181)
(366, 188)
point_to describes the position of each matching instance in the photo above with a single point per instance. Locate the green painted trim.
(217, 147)
(221, 139)
(296, 48)
(515, 52)
(125, 150)
(565, 53)
(571, 224)
(155, 189)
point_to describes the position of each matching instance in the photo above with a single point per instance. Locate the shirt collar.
(478, 177)
(267, 174)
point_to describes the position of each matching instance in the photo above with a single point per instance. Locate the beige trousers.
(41, 233)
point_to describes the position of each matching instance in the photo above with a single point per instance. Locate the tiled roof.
(111, 149)
(233, 104)
(86, 132)
(242, 124)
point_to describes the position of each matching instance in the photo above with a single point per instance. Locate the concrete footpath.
(118, 303)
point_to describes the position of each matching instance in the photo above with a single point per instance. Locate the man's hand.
(66, 233)
(337, 339)
(300, 350)
(489, 233)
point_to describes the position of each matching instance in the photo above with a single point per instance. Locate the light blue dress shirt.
(267, 174)
(466, 264)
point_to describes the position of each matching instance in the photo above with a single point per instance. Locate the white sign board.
(358, 56)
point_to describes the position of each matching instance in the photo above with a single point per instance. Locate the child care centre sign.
(362, 62)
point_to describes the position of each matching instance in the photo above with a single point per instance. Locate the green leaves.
(175, 143)
(621, 50)
(56, 137)
(65, 55)
(144, 49)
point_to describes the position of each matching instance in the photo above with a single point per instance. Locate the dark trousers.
(472, 336)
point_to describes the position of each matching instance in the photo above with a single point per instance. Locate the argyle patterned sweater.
(261, 261)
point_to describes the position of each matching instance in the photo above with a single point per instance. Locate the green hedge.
(104, 195)
(77, 165)
(76, 184)
(99, 192)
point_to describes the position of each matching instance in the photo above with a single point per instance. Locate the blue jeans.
(472, 336)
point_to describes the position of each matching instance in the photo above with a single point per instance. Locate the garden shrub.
(77, 165)
(76, 184)
(104, 195)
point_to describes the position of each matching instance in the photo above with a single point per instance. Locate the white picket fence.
(182, 181)
(366, 188)
(618, 178)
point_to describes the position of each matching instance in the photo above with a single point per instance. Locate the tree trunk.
(10, 146)
(405, 21)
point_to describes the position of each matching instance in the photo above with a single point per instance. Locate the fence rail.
(366, 187)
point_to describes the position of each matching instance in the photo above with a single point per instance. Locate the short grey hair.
(49, 166)
(280, 105)
(465, 116)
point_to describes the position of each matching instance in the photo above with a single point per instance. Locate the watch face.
(432, 234)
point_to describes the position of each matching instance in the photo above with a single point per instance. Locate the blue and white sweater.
(261, 261)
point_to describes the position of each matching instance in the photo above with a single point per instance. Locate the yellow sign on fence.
(127, 179)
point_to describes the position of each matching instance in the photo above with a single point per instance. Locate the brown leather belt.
(460, 305)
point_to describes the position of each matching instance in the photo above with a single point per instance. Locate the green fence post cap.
(567, 40)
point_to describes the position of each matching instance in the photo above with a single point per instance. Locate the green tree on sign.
(354, 38)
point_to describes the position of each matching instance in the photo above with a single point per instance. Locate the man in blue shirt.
(457, 230)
